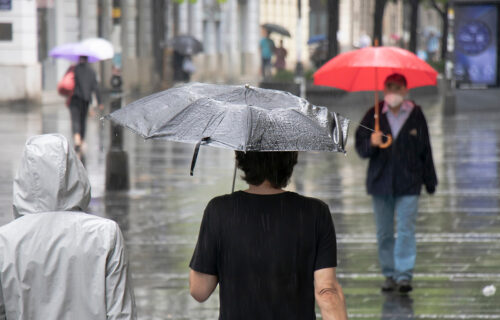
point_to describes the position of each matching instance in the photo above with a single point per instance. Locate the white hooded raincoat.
(57, 262)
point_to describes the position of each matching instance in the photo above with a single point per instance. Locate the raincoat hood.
(50, 178)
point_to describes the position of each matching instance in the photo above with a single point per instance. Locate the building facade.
(356, 22)
(285, 13)
(19, 67)
(30, 29)
(229, 32)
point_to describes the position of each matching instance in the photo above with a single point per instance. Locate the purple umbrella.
(96, 49)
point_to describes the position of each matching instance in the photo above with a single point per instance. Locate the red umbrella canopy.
(366, 69)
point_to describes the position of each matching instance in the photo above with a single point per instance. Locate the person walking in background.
(432, 46)
(271, 251)
(267, 48)
(56, 261)
(280, 53)
(395, 178)
(183, 67)
(85, 85)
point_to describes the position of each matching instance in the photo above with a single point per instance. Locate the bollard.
(449, 108)
(117, 174)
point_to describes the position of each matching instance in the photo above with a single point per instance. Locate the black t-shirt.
(264, 250)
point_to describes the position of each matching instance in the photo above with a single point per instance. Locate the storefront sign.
(476, 45)
(6, 5)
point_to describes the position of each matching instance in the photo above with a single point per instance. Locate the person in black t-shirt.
(271, 251)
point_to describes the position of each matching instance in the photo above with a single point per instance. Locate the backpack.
(66, 86)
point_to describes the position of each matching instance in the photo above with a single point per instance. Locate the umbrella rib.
(249, 127)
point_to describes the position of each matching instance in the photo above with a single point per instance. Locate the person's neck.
(263, 188)
(395, 110)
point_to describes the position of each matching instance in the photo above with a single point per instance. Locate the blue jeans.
(396, 255)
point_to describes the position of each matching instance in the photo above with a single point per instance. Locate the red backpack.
(66, 86)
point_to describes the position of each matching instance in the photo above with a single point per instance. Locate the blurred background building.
(230, 35)
(20, 71)
(229, 30)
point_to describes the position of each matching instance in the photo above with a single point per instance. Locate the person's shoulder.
(84, 221)
(221, 200)
(313, 203)
(417, 110)
(10, 227)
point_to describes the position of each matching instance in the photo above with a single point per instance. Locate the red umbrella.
(366, 69)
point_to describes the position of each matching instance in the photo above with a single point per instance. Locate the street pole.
(299, 68)
(449, 96)
(117, 175)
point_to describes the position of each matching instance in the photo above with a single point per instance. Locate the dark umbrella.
(317, 38)
(235, 117)
(186, 45)
(271, 27)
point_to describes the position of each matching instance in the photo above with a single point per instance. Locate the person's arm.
(203, 276)
(429, 174)
(327, 290)
(329, 295)
(364, 145)
(120, 302)
(97, 92)
(201, 285)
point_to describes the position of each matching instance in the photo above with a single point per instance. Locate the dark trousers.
(78, 109)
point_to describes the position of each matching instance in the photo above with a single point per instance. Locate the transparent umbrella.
(96, 49)
(240, 118)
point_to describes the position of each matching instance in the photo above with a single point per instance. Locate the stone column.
(196, 30)
(88, 19)
(251, 40)
(210, 49)
(128, 44)
(144, 43)
(231, 28)
(183, 18)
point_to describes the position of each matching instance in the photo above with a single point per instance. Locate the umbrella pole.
(234, 175)
(377, 112)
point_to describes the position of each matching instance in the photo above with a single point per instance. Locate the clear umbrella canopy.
(96, 49)
(236, 117)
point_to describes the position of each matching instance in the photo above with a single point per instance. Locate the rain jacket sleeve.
(363, 136)
(120, 302)
(429, 172)
(3, 316)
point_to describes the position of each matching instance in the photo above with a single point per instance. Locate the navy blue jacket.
(403, 167)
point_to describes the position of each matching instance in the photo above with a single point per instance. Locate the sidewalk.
(458, 229)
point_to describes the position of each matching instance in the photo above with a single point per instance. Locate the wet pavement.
(458, 229)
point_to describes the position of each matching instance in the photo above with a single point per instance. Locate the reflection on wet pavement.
(458, 228)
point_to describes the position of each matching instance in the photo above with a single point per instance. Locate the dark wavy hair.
(275, 167)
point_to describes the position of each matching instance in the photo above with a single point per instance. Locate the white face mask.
(393, 99)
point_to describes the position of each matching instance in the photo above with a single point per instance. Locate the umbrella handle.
(377, 117)
(387, 143)
(338, 137)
